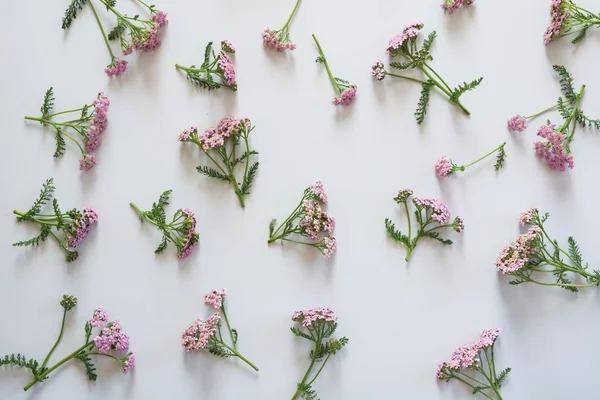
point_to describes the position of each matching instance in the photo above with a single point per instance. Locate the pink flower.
(128, 363)
(378, 70)
(439, 373)
(527, 215)
(227, 47)
(192, 237)
(517, 123)
(188, 133)
(463, 357)
(307, 317)
(558, 15)
(99, 318)
(319, 191)
(80, 227)
(225, 65)
(117, 67)
(453, 5)
(458, 225)
(515, 255)
(112, 337)
(440, 212)
(159, 18)
(443, 167)
(151, 42)
(272, 39)
(486, 338)
(397, 41)
(346, 97)
(215, 298)
(330, 246)
(553, 151)
(197, 335)
(87, 161)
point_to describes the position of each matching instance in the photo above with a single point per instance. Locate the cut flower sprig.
(280, 39)
(556, 151)
(346, 92)
(405, 45)
(475, 366)
(308, 220)
(220, 144)
(69, 228)
(453, 5)
(181, 231)
(567, 18)
(206, 334)
(316, 325)
(534, 253)
(110, 341)
(90, 122)
(216, 70)
(428, 211)
(143, 34)
(445, 166)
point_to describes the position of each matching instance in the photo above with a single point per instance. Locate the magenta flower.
(280, 39)
(517, 123)
(346, 91)
(428, 211)
(444, 166)
(202, 334)
(528, 215)
(116, 67)
(159, 18)
(468, 361)
(216, 72)
(556, 151)
(410, 32)
(87, 161)
(128, 362)
(308, 220)
(226, 67)
(515, 255)
(227, 47)
(453, 5)
(567, 18)
(99, 319)
(378, 70)
(181, 231)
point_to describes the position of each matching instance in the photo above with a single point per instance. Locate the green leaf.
(465, 87)
(403, 65)
(18, 360)
(90, 369)
(423, 101)
(212, 173)
(575, 253)
(320, 60)
(390, 227)
(500, 158)
(60, 144)
(585, 121)
(207, 82)
(299, 333)
(162, 246)
(234, 332)
(581, 35)
(272, 227)
(242, 158)
(88, 331)
(207, 52)
(428, 42)
(249, 178)
(502, 376)
(117, 30)
(564, 110)
(566, 83)
(340, 80)
(307, 392)
(158, 209)
(479, 389)
(43, 198)
(48, 103)
(57, 212)
(44, 232)
(435, 235)
(71, 12)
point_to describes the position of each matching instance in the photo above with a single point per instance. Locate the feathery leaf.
(48, 103)
(117, 30)
(272, 227)
(212, 173)
(21, 361)
(566, 83)
(71, 12)
(249, 178)
(44, 232)
(465, 87)
(575, 253)
(90, 369)
(502, 376)
(500, 158)
(423, 101)
(60, 144)
(43, 198)
(581, 35)
(435, 235)
(207, 52)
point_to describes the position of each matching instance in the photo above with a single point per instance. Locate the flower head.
(68, 302)
(517, 123)
(215, 298)
(225, 65)
(553, 151)
(397, 41)
(463, 357)
(330, 246)
(378, 70)
(80, 227)
(128, 362)
(308, 317)
(453, 5)
(440, 212)
(486, 338)
(273, 39)
(439, 372)
(197, 335)
(443, 167)
(458, 224)
(117, 67)
(99, 319)
(187, 134)
(319, 191)
(346, 97)
(215, 136)
(527, 215)
(558, 14)
(159, 18)
(112, 337)
(227, 47)
(515, 255)
(192, 236)
(87, 161)
(403, 195)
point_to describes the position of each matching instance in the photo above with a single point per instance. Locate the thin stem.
(188, 69)
(404, 77)
(542, 112)
(65, 112)
(287, 23)
(147, 6)
(473, 379)
(448, 93)
(487, 155)
(297, 241)
(562, 284)
(471, 386)
(233, 341)
(287, 220)
(102, 29)
(324, 60)
(39, 221)
(62, 328)
(439, 77)
(408, 218)
(310, 367)
(319, 371)
(241, 357)
(571, 117)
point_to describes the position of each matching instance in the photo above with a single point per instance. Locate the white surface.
(401, 319)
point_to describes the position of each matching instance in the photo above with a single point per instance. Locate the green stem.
(64, 112)
(469, 385)
(322, 54)
(241, 357)
(310, 367)
(439, 77)
(404, 77)
(233, 341)
(408, 252)
(143, 215)
(487, 155)
(542, 112)
(62, 328)
(286, 221)
(147, 6)
(562, 284)
(443, 89)
(319, 371)
(102, 29)
(408, 218)
(40, 377)
(287, 23)
(39, 221)
(571, 117)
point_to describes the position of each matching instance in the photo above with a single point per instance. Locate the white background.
(402, 319)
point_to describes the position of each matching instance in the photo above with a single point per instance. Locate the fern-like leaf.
(403, 65)
(465, 87)
(428, 42)
(158, 209)
(299, 333)
(18, 360)
(502, 376)
(246, 155)
(500, 158)
(564, 110)
(162, 246)
(581, 35)
(435, 235)
(423, 101)
(71, 12)
(566, 83)
(43, 198)
(206, 82)
(211, 173)
(479, 389)
(118, 30)
(60, 144)
(48, 103)
(90, 369)
(235, 334)
(390, 227)
(272, 227)
(307, 392)
(585, 121)
(44, 232)
(207, 52)
(249, 178)
(57, 212)
(340, 80)
(575, 253)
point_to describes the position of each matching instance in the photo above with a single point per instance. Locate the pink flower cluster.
(159, 18)
(517, 123)
(272, 39)
(115, 68)
(330, 246)
(98, 123)
(515, 255)
(439, 211)
(378, 70)
(197, 335)
(187, 134)
(397, 41)
(307, 317)
(527, 215)
(443, 167)
(99, 319)
(316, 220)
(453, 5)
(458, 224)
(318, 190)
(465, 356)
(215, 136)
(553, 151)
(128, 363)
(346, 97)
(192, 237)
(112, 337)
(226, 67)
(80, 227)
(215, 298)
(227, 47)
(87, 161)
(558, 15)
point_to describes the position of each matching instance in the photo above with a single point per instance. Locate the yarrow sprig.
(91, 121)
(181, 231)
(206, 334)
(346, 91)
(308, 220)
(222, 142)
(316, 325)
(428, 211)
(467, 366)
(445, 166)
(68, 229)
(556, 151)
(535, 253)
(566, 19)
(280, 39)
(405, 45)
(143, 34)
(453, 5)
(110, 341)
(220, 67)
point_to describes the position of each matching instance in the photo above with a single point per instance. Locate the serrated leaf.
(90, 369)
(435, 235)
(207, 53)
(60, 144)
(566, 83)
(272, 227)
(71, 12)
(44, 232)
(402, 65)
(162, 246)
(421, 111)
(44, 197)
(249, 178)
(18, 360)
(48, 103)
(575, 253)
(581, 35)
(390, 227)
(502, 376)
(500, 158)
(212, 173)
(465, 87)
(299, 333)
